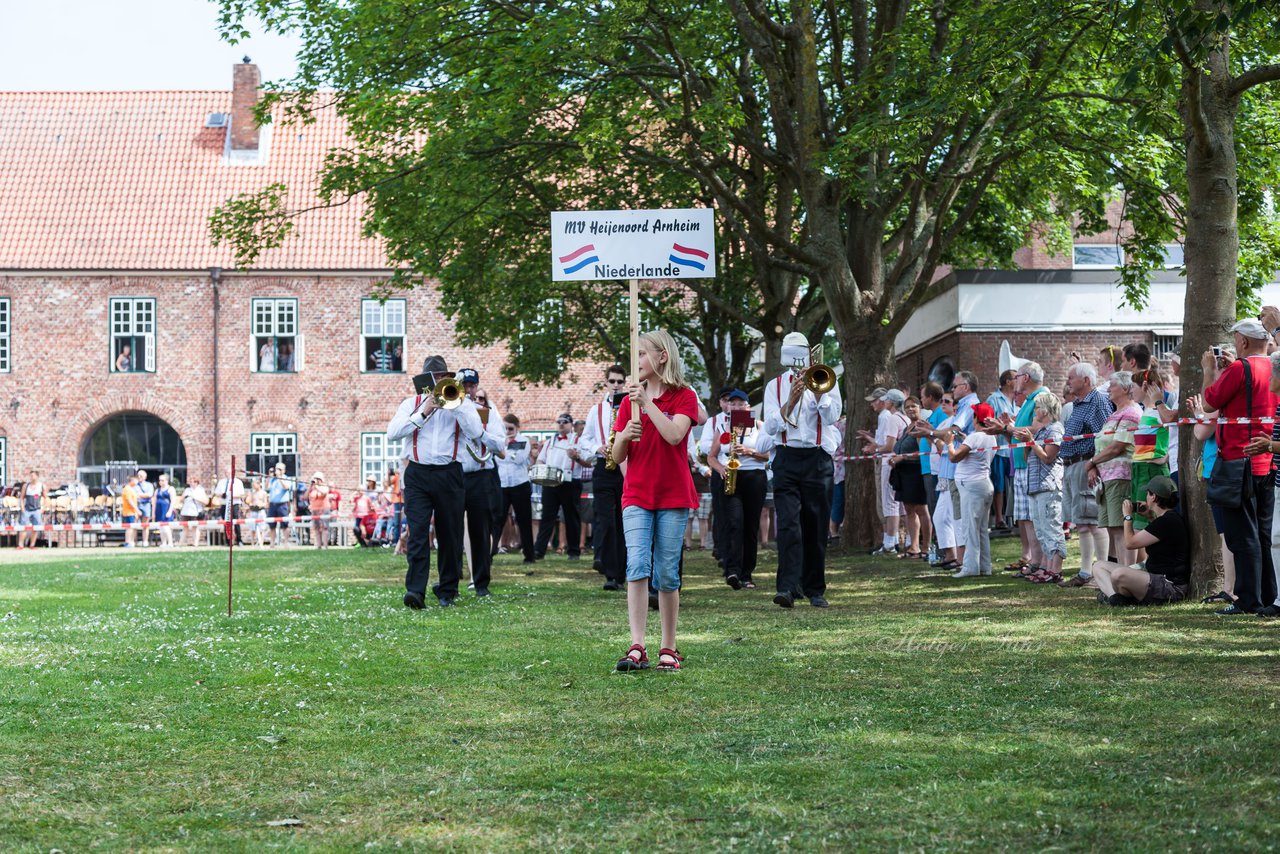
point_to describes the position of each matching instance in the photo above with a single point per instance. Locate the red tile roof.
(127, 181)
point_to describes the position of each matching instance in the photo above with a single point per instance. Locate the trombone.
(817, 378)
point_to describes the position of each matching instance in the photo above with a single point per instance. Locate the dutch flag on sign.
(687, 257)
(571, 262)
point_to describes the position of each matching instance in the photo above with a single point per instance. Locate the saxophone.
(609, 462)
(732, 466)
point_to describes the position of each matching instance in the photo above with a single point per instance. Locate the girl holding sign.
(658, 492)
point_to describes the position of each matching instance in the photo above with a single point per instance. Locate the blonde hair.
(672, 373)
(1049, 402)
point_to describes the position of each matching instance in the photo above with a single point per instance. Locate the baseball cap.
(725, 392)
(1251, 328)
(468, 375)
(894, 395)
(565, 418)
(1162, 487)
(876, 394)
(736, 394)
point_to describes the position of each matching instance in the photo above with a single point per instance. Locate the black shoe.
(597, 566)
(540, 557)
(733, 581)
(1121, 600)
(653, 602)
(1269, 611)
(784, 600)
(529, 560)
(575, 557)
(482, 592)
(612, 585)
(1231, 611)
(819, 602)
(446, 602)
(414, 601)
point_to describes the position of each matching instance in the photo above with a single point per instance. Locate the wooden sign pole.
(635, 339)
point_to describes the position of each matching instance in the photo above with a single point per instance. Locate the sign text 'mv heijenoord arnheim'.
(605, 228)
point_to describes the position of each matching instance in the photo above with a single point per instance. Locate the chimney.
(245, 81)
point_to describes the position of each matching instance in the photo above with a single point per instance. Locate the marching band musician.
(606, 483)
(560, 452)
(482, 488)
(433, 482)
(709, 448)
(741, 509)
(517, 491)
(801, 424)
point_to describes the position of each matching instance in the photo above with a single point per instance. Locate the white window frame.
(6, 335)
(133, 318)
(377, 455)
(273, 444)
(1112, 247)
(4, 459)
(383, 320)
(1169, 265)
(274, 318)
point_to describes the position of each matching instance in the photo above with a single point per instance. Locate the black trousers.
(607, 537)
(718, 535)
(496, 518)
(1248, 533)
(554, 499)
(802, 503)
(434, 490)
(478, 488)
(520, 499)
(742, 523)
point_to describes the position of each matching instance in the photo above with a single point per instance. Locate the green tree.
(851, 150)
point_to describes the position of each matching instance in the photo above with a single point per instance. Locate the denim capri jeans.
(654, 540)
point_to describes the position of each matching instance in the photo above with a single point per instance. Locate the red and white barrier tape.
(145, 526)
(1194, 420)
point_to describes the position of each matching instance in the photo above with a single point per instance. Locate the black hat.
(432, 369)
(724, 392)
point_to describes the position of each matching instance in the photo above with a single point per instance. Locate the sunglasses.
(616, 382)
(948, 400)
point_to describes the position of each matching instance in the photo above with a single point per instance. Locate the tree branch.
(1253, 77)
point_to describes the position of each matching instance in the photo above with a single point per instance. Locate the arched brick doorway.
(131, 440)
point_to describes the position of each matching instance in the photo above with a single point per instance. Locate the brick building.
(125, 335)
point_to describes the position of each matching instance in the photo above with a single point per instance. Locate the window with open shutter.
(275, 347)
(133, 334)
(382, 333)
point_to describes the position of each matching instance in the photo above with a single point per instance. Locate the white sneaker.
(964, 574)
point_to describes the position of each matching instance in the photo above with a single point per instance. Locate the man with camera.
(433, 424)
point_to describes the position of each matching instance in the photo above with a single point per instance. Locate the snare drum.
(547, 475)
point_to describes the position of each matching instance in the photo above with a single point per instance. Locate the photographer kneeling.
(1168, 571)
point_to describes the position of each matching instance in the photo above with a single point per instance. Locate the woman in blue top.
(165, 501)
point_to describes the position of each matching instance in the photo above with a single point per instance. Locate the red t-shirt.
(1227, 396)
(658, 476)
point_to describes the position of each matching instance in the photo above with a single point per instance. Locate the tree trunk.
(1211, 256)
(867, 354)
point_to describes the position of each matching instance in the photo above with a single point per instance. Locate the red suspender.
(457, 430)
(417, 401)
(778, 389)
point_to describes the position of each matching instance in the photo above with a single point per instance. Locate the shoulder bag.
(1226, 481)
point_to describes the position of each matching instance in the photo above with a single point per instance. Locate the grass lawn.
(917, 713)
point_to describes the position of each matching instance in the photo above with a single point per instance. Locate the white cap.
(318, 476)
(1251, 328)
(795, 339)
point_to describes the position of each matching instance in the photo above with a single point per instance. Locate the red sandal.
(674, 663)
(627, 663)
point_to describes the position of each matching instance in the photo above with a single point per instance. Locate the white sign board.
(659, 244)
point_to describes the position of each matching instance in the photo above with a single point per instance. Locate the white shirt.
(755, 439)
(493, 439)
(513, 469)
(716, 426)
(977, 465)
(435, 440)
(595, 437)
(194, 500)
(237, 493)
(806, 415)
(555, 452)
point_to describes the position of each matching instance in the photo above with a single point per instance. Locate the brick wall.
(980, 352)
(61, 386)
